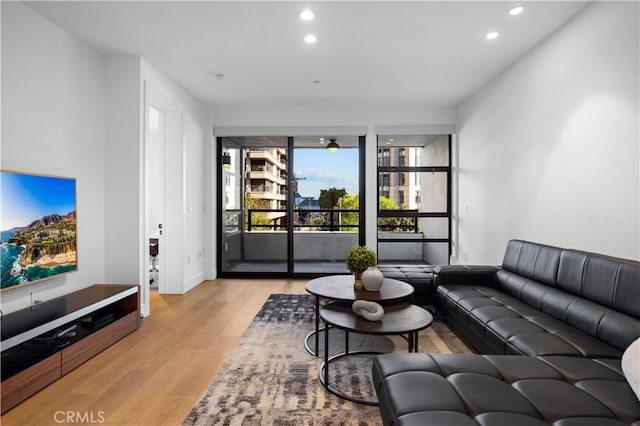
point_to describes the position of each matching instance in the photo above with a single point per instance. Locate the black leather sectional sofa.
(550, 326)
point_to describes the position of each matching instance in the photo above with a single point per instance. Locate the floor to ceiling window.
(288, 205)
(414, 199)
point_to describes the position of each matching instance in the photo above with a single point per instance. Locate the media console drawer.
(96, 342)
(24, 384)
(43, 343)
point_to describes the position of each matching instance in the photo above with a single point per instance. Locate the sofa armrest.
(464, 274)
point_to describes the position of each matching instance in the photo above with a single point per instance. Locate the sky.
(25, 198)
(322, 169)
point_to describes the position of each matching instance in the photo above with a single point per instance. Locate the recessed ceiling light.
(307, 15)
(310, 38)
(317, 82)
(492, 35)
(516, 10)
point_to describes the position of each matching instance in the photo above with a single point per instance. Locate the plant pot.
(372, 279)
(357, 284)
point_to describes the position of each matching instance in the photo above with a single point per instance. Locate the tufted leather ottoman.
(419, 276)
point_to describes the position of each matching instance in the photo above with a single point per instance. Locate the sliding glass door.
(253, 205)
(288, 205)
(327, 197)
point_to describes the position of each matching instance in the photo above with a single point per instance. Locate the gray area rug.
(270, 379)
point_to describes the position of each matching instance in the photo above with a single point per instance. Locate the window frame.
(382, 169)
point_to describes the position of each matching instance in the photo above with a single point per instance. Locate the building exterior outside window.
(397, 186)
(265, 178)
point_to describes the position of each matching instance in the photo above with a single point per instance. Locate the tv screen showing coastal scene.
(37, 227)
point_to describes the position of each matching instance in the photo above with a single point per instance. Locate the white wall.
(68, 111)
(333, 115)
(53, 122)
(195, 132)
(123, 170)
(548, 152)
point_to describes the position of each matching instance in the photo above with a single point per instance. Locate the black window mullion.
(378, 167)
(413, 240)
(449, 201)
(410, 213)
(420, 169)
(362, 188)
(219, 204)
(290, 205)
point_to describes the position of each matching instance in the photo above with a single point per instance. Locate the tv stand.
(44, 342)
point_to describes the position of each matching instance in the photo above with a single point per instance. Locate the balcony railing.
(321, 219)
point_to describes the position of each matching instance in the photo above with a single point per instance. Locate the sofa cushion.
(511, 326)
(597, 320)
(574, 344)
(497, 390)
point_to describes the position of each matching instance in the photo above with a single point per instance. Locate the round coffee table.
(340, 288)
(401, 319)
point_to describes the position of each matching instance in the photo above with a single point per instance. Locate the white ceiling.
(427, 53)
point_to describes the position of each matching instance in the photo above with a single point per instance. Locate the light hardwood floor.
(156, 374)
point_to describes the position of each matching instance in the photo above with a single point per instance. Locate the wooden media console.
(42, 343)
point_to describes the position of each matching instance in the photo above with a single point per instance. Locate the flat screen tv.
(38, 231)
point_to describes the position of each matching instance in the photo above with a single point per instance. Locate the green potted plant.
(358, 260)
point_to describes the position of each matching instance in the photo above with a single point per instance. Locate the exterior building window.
(384, 157)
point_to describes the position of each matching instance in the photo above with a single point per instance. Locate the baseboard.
(193, 281)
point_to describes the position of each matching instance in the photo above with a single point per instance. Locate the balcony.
(267, 155)
(266, 192)
(322, 236)
(265, 175)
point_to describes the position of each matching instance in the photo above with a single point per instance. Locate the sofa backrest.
(536, 261)
(597, 294)
(609, 281)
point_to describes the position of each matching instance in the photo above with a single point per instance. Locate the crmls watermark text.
(79, 417)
